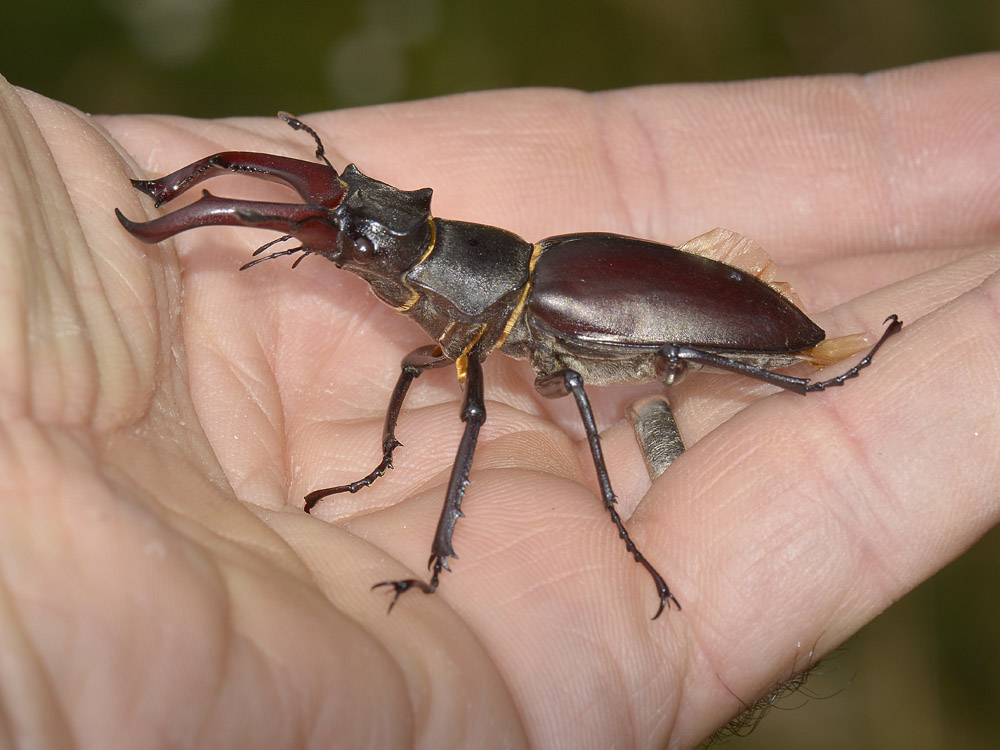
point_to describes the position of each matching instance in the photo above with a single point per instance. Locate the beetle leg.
(894, 326)
(413, 365)
(673, 356)
(474, 415)
(570, 381)
(657, 433)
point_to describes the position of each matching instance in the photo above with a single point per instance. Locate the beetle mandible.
(582, 308)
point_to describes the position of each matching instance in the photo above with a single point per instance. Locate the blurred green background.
(924, 675)
(214, 58)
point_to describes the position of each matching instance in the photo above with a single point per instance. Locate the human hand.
(160, 430)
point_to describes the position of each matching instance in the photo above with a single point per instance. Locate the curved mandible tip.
(312, 225)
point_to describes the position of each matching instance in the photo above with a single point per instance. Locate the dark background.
(924, 675)
(213, 58)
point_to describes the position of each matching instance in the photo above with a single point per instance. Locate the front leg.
(425, 358)
(474, 415)
(570, 381)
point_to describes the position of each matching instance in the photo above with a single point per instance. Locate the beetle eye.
(364, 251)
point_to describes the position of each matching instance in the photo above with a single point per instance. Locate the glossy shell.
(629, 292)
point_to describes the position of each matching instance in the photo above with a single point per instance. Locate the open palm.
(163, 420)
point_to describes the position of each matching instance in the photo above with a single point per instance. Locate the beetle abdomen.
(630, 292)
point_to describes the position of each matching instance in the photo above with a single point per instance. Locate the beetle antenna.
(291, 251)
(297, 124)
(272, 256)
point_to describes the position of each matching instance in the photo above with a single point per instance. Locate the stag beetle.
(582, 308)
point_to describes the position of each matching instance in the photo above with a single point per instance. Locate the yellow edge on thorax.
(462, 363)
(519, 308)
(415, 295)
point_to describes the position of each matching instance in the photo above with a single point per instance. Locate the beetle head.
(362, 225)
(383, 229)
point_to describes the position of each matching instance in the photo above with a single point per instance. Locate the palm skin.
(163, 585)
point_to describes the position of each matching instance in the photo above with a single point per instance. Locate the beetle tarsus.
(661, 586)
(401, 587)
(895, 324)
(367, 481)
(436, 564)
(413, 364)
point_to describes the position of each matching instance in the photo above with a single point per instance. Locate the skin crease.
(163, 415)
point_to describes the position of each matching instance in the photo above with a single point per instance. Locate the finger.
(817, 164)
(803, 521)
(832, 163)
(841, 166)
